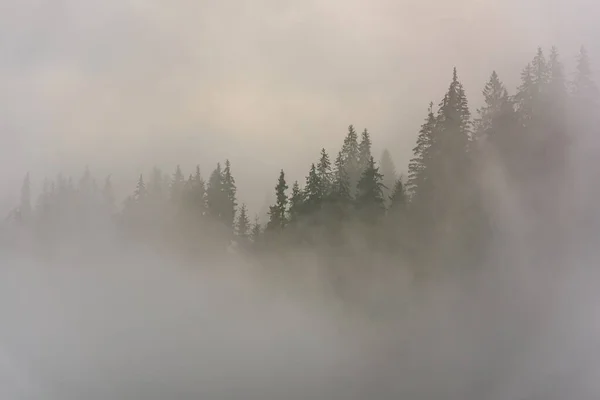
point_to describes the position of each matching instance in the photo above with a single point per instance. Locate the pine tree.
(496, 103)
(296, 203)
(555, 116)
(243, 223)
(215, 193)
(532, 93)
(583, 88)
(341, 183)
(369, 198)
(541, 68)
(277, 212)
(364, 151)
(313, 194)
(324, 173)
(449, 149)
(417, 167)
(230, 191)
(350, 156)
(585, 98)
(439, 173)
(140, 193)
(199, 189)
(497, 123)
(556, 80)
(526, 95)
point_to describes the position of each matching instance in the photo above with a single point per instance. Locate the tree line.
(350, 206)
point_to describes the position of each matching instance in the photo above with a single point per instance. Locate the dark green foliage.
(350, 156)
(215, 193)
(324, 173)
(341, 191)
(369, 195)
(497, 124)
(277, 212)
(313, 192)
(418, 183)
(296, 203)
(230, 191)
(364, 151)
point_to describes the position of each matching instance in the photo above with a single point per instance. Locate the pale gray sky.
(125, 84)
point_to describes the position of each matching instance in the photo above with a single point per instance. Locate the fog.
(137, 326)
(148, 83)
(123, 86)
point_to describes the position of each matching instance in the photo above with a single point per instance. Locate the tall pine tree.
(296, 203)
(369, 196)
(350, 156)
(324, 173)
(364, 151)
(215, 194)
(277, 212)
(313, 192)
(230, 190)
(418, 185)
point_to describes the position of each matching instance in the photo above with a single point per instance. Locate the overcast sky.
(121, 85)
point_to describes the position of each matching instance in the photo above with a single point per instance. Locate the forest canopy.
(449, 211)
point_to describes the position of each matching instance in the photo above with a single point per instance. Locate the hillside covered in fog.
(521, 159)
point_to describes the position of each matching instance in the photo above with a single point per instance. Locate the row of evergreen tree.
(348, 204)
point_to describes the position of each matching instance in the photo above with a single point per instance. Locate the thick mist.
(125, 86)
(138, 325)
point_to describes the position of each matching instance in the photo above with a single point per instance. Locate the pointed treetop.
(364, 149)
(140, 189)
(277, 212)
(583, 87)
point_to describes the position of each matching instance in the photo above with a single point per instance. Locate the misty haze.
(312, 200)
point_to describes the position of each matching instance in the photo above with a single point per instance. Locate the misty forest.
(458, 274)
(355, 209)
